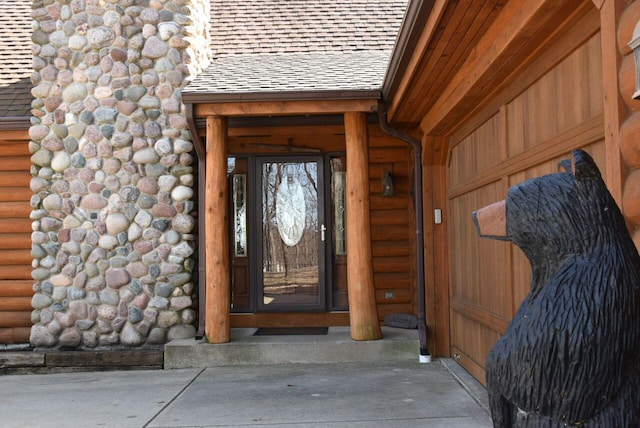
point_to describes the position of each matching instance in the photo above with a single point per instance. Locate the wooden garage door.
(526, 138)
(15, 238)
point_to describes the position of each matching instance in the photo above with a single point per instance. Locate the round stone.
(183, 223)
(183, 250)
(176, 280)
(38, 132)
(74, 92)
(60, 161)
(93, 201)
(154, 48)
(41, 336)
(131, 336)
(188, 316)
(61, 280)
(182, 193)
(77, 42)
(181, 302)
(70, 337)
(167, 319)
(116, 223)
(135, 315)
(100, 37)
(117, 277)
(42, 158)
(52, 202)
(41, 301)
(109, 296)
(147, 155)
(108, 242)
(182, 146)
(134, 232)
(107, 312)
(172, 237)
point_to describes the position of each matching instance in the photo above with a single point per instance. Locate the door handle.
(322, 231)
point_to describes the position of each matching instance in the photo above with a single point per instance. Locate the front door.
(291, 233)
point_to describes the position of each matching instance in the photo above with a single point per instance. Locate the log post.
(363, 313)
(218, 292)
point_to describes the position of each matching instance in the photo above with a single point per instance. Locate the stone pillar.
(112, 170)
(363, 312)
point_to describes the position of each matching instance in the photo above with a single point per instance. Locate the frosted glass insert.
(290, 210)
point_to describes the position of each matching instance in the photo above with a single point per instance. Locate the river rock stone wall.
(113, 171)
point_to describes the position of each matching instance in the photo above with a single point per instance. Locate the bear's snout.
(491, 221)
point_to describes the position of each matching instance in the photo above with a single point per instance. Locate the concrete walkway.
(368, 394)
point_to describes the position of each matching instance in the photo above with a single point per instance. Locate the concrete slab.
(363, 394)
(371, 394)
(336, 346)
(106, 399)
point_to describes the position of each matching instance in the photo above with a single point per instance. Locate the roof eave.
(12, 123)
(413, 23)
(245, 97)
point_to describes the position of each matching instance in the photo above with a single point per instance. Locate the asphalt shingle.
(16, 57)
(293, 72)
(276, 46)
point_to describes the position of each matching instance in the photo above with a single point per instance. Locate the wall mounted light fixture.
(635, 45)
(387, 184)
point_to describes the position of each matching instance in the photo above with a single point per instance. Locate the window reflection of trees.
(277, 256)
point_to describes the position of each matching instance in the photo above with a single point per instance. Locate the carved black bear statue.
(570, 355)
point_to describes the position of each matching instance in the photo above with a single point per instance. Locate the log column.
(363, 313)
(217, 324)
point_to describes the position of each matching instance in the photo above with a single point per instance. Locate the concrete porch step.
(334, 347)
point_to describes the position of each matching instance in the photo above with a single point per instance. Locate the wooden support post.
(363, 313)
(218, 292)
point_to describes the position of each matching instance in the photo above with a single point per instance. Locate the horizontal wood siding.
(16, 285)
(526, 137)
(392, 223)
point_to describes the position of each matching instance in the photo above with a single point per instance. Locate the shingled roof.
(287, 48)
(15, 51)
(260, 47)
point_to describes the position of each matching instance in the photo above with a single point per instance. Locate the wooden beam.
(615, 110)
(518, 21)
(363, 314)
(218, 291)
(275, 108)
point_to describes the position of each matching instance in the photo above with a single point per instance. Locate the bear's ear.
(565, 165)
(584, 166)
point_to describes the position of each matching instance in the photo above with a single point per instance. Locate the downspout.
(425, 357)
(201, 154)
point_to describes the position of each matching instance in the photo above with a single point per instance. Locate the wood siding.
(15, 238)
(525, 137)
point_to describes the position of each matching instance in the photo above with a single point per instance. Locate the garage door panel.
(565, 97)
(526, 138)
(479, 275)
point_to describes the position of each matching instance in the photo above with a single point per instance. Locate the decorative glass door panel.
(293, 234)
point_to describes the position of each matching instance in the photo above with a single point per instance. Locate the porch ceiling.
(462, 52)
